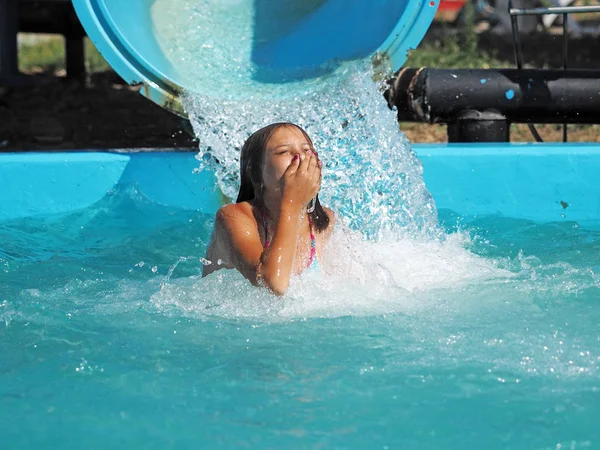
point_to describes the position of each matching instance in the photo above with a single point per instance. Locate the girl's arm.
(237, 234)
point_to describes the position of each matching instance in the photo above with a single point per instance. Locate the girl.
(277, 227)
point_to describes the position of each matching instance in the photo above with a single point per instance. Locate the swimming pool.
(487, 336)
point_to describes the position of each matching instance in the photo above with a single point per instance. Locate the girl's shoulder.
(233, 214)
(235, 210)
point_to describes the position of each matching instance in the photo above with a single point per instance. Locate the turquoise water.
(484, 338)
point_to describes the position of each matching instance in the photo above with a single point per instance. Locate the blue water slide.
(232, 47)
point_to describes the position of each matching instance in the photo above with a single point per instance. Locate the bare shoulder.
(234, 212)
(236, 219)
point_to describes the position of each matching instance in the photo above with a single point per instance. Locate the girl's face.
(282, 146)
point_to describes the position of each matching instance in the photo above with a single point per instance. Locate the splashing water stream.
(371, 176)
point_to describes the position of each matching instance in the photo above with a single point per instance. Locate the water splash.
(372, 178)
(358, 278)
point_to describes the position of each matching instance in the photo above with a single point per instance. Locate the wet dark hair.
(251, 164)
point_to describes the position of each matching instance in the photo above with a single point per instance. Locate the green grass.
(455, 50)
(48, 56)
(450, 53)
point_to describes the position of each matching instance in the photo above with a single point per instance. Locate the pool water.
(485, 337)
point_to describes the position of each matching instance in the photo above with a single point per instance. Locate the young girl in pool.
(277, 227)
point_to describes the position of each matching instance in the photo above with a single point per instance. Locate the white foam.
(357, 277)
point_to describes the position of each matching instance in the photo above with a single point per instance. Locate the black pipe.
(521, 96)
(476, 126)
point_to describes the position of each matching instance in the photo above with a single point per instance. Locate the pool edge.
(540, 182)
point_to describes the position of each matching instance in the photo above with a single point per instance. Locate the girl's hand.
(301, 181)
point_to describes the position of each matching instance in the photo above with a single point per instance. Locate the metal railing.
(518, 49)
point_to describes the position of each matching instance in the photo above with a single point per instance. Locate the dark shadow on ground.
(58, 114)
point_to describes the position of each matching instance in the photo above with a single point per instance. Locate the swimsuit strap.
(313, 241)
